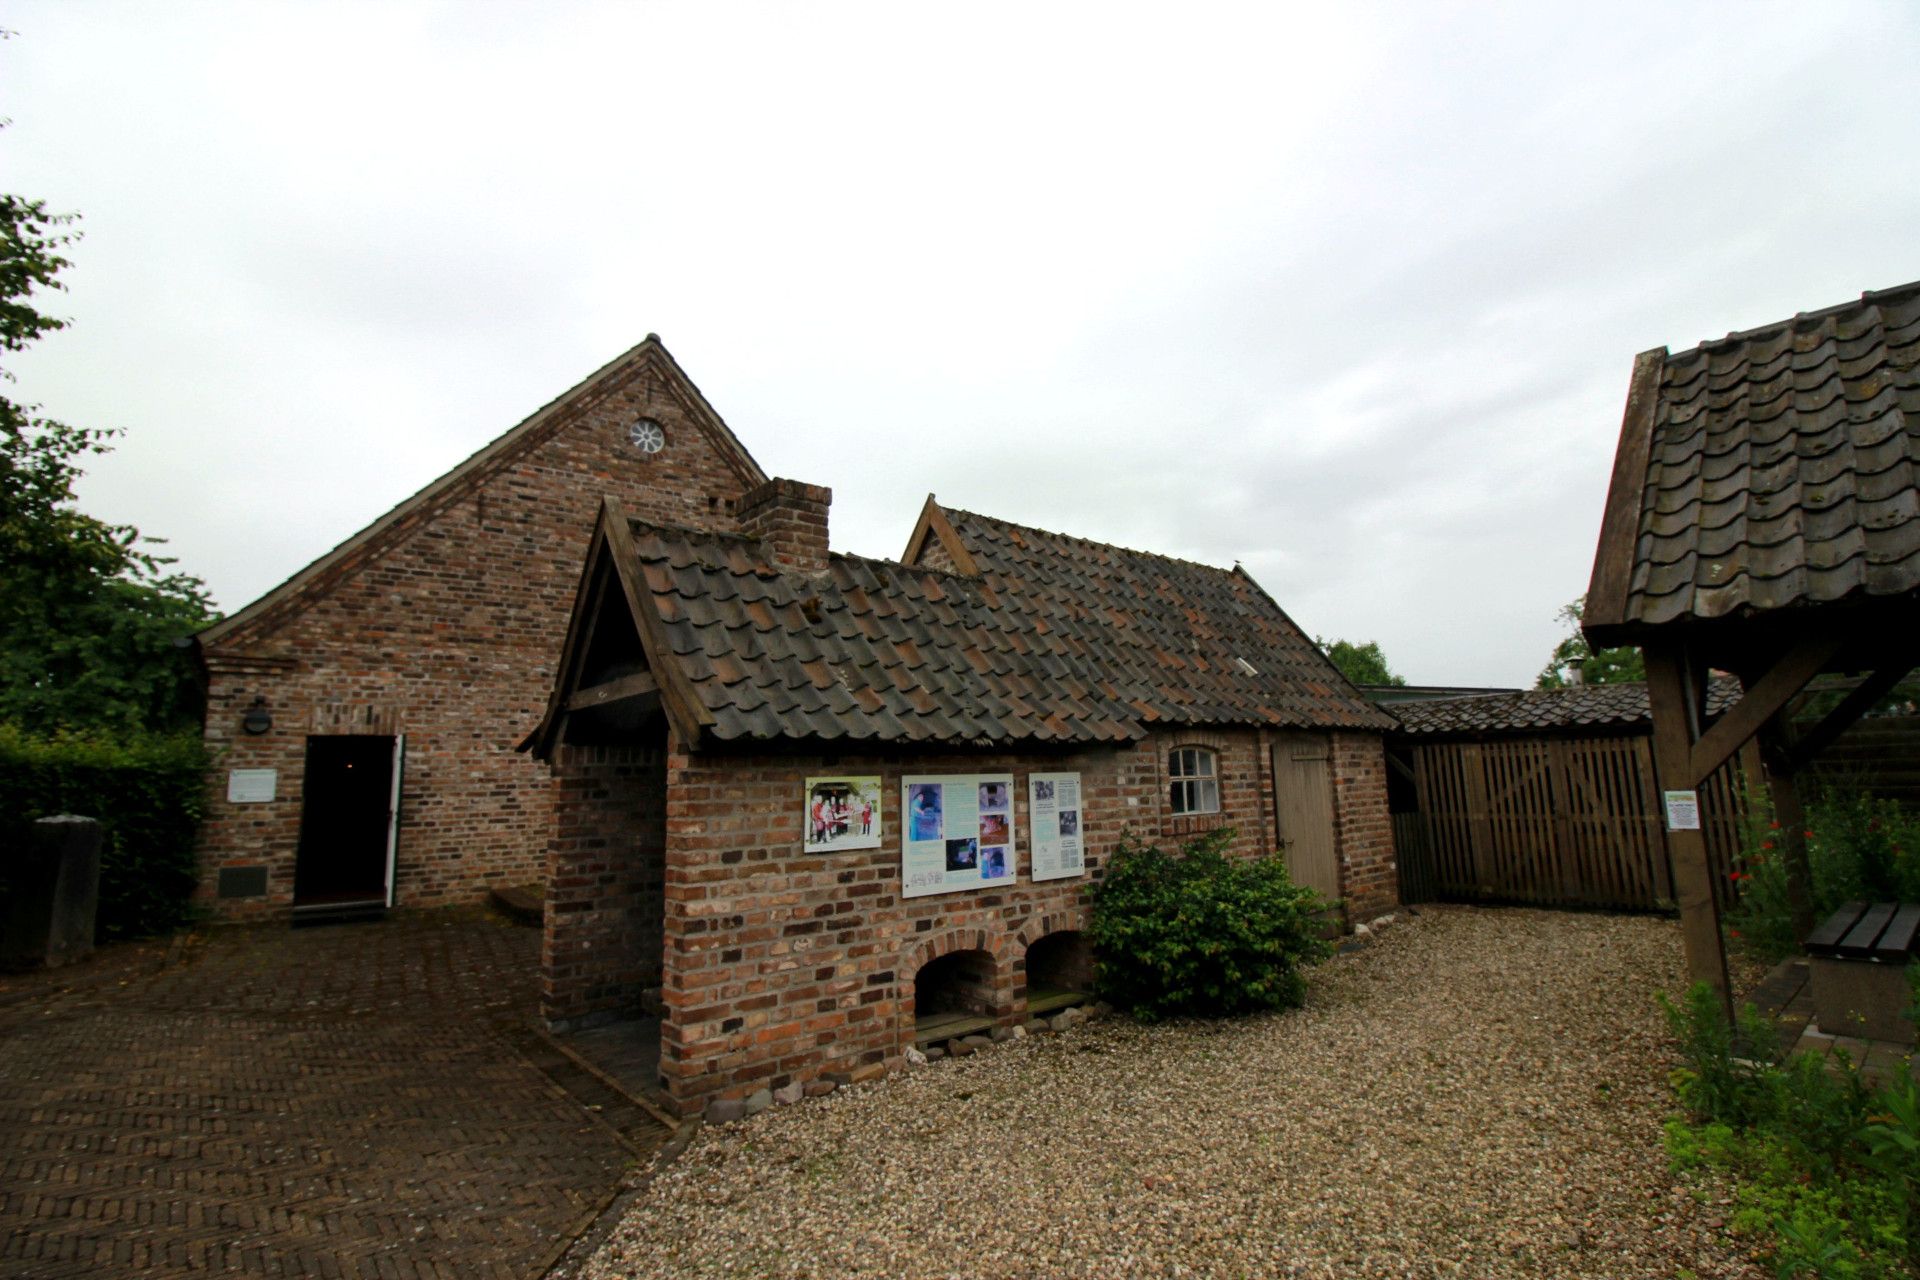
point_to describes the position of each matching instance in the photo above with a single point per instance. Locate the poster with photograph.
(1053, 809)
(956, 833)
(842, 813)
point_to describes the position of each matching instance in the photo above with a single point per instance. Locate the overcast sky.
(1348, 293)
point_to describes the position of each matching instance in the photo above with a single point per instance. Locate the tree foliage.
(1360, 663)
(1617, 665)
(91, 615)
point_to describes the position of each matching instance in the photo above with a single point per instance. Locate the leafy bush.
(1858, 847)
(147, 792)
(1825, 1164)
(1200, 933)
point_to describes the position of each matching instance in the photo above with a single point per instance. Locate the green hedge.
(147, 791)
(1200, 933)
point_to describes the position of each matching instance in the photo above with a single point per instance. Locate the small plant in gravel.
(1197, 932)
(1824, 1163)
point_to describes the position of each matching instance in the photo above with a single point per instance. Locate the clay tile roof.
(1768, 470)
(1586, 706)
(876, 650)
(1166, 636)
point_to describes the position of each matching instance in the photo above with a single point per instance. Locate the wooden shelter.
(1764, 520)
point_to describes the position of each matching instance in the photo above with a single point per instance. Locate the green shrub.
(1824, 1163)
(147, 792)
(1200, 933)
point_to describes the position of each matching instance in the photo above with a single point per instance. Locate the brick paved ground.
(355, 1100)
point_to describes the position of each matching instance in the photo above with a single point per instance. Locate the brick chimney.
(790, 519)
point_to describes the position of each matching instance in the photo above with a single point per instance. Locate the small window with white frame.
(1192, 784)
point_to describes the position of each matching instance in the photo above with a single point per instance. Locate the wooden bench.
(1859, 960)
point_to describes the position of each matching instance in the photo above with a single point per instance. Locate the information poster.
(1683, 810)
(956, 833)
(1053, 810)
(842, 813)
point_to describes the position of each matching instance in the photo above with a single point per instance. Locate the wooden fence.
(1551, 822)
(1880, 754)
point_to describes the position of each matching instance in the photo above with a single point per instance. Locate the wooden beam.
(1670, 685)
(1800, 753)
(619, 690)
(934, 523)
(1745, 718)
(1620, 525)
(1790, 819)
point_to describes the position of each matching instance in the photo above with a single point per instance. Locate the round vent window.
(647, 436)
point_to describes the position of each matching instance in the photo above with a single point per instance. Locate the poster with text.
(1053, 809)
(956, 832)
(842, 813)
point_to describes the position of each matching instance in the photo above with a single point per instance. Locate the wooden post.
(1789, 841)
(1673, 687)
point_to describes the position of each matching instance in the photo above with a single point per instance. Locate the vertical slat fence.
(1552, 822)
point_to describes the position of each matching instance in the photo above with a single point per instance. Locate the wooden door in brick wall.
(1303, 806)
(348, 808)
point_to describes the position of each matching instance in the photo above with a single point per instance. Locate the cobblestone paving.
(341, 1101)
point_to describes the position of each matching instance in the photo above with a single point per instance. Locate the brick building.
(813, 807)
(362, 714)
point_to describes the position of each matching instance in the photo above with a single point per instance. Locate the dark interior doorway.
(346, 814)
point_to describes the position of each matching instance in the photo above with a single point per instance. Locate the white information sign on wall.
(252, 786)
(1683, 810)
(1055, 818)
(956, 832)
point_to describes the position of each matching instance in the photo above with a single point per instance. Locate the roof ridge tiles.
(1086, 543)
(1871, 297)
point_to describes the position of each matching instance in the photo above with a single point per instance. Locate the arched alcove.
(1059, 971)
(953, 996)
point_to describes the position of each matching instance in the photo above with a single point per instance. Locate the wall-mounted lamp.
(257, 720)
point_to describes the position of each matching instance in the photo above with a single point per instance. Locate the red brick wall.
(1370, 878)
(446, 630)
(786, 966)
(606, 883)
(790, 519)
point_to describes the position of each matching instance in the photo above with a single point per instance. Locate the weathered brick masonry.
(442, 622)
(1369, 876)
(749, 663)
(781, 965)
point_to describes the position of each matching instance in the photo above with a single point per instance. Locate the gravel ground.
(1478, 1093)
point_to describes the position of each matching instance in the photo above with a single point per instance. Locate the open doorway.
(349, 811)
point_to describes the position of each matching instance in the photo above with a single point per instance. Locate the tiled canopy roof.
(1769, 470)
(1584, 706)
(1057, 639)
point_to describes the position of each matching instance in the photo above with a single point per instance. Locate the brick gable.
(441, 621)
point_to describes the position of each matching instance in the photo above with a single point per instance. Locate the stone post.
(53, 894)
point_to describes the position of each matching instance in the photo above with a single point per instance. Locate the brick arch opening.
(1059, 971)
(957, 985)
(958, 982)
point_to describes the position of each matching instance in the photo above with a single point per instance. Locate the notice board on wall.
(956, 832)
(841, 812)
(1054, 812)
